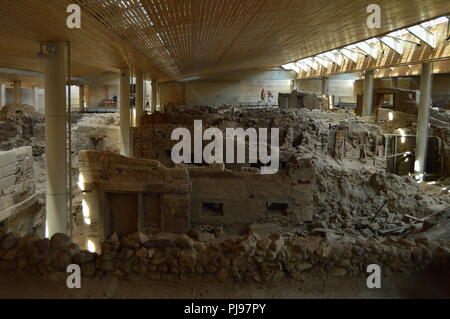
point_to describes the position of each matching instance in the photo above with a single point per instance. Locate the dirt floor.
(401, 287)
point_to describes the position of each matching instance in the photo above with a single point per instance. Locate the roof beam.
(332, 57)
(404, 40)
(423, 34)
(448, 28)
(291, 66)
(355, 51)
(349, 54)
(311, 63)
(393, 44)
(367, 49)
(321, 61)
(302, 66)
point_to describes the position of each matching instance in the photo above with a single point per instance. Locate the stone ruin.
(20, 209)
(249, 259)
(302, 100)
(329, 210)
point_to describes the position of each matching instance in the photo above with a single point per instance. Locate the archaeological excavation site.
(211, 149)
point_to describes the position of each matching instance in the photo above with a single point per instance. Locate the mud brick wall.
(245, 198)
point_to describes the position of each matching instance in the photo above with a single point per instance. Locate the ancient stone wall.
(191, 195)
(20, 126)
(105, 176)
(242, 198)
(18, 200)
(154, 142)
(248, 259)
(302, 100)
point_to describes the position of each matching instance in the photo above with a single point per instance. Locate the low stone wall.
(249, 259)
(17, 190)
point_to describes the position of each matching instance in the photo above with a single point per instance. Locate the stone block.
(7, 182)
(7, 158)
(6, 202)
(265, 230)
(23, 152)
(7, 170)
(384, 114)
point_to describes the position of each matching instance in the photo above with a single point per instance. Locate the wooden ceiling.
(173, 39)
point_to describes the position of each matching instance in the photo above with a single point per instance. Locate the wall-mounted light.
(86, 212)
(403, 134)
(91, 246)
(83, 186)
(81, 182)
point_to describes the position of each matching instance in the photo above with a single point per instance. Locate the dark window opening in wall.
(96, 143)
(388, 100)
(277, 208)
(300, 101)
(298, 140)
(212, 209)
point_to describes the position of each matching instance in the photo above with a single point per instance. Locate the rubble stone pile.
(247, 259)
(351, 198)
(370, 203)
(20, 126)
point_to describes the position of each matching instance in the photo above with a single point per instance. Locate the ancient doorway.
(124, 213)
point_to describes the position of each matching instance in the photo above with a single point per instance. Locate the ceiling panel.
(183, 38)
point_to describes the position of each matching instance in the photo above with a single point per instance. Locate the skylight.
(394, 40)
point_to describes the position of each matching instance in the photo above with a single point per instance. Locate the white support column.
(154, 95)
(160, 98)
(87, 96)
(146, 92)
(325, 82)
(298, 85)
(426, 80)
(368, 93)
(2, 95)
(55, 138)
(36, 98)
(17, 92)
(139, 97)
(125, 113)
(81, 97)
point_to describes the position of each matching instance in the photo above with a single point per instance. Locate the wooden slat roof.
(182, 38)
